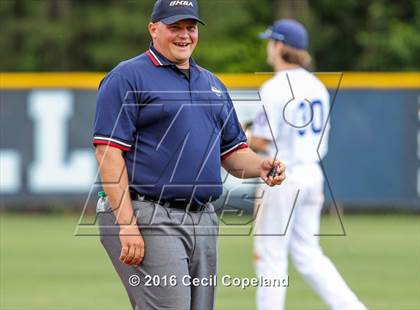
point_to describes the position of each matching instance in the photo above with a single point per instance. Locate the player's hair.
(295, 56)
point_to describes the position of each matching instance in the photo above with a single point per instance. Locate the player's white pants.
(279, 231)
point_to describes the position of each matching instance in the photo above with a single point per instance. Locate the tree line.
(94, 35)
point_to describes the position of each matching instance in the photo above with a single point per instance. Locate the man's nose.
(183, 33)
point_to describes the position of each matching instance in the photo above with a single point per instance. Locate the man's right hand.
(132, 245)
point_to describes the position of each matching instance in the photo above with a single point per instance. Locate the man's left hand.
(266, 167)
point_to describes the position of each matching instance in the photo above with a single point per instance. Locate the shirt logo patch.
(217, 91)
(185, 3)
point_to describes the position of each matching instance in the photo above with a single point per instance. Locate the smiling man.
(175, 41)
(163, 128)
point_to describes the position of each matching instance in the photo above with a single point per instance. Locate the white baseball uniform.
(294, 116)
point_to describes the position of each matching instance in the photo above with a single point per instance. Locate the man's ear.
(152, 30)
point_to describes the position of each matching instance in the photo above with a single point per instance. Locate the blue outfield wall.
(46, 155)
(374, 152)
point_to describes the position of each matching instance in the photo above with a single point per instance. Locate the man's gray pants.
(179, 246)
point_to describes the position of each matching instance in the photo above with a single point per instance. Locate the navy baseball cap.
(288, 31)
(172, 11)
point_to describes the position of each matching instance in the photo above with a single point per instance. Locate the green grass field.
(44, 266)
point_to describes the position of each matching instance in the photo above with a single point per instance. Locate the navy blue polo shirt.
(174, 131)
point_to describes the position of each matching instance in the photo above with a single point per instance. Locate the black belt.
(175, 204)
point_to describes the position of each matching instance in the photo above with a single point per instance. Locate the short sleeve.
(233, 137)
(116, 113)
(266, 120)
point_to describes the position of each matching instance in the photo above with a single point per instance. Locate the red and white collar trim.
(159, 62)
(156, 61)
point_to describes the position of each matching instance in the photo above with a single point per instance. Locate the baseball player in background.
(293, 117)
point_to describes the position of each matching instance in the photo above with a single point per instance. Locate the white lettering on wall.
(10, 172)
(53, 170)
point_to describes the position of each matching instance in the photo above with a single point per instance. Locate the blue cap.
(288, 31)
(172, 11)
